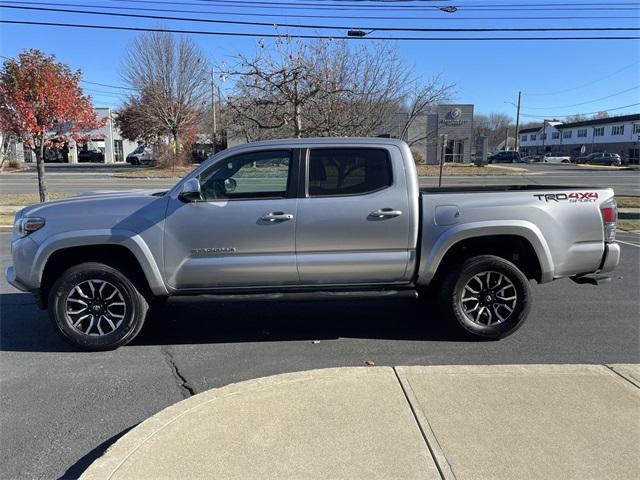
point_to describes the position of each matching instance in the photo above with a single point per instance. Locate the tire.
(118, 309)
(493, 322)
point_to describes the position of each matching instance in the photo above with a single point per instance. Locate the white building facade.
(619, 135)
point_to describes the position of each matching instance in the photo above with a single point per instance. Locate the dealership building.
(619, 135)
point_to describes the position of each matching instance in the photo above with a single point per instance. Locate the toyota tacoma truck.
(323, 218)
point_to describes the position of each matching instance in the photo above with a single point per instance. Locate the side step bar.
(316, 295)
(590, 279)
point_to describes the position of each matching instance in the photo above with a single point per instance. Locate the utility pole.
(213, 107)
(518, 123)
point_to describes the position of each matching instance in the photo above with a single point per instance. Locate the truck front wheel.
(95, 307)
(488, 296)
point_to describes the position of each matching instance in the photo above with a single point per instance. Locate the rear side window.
(348, 171)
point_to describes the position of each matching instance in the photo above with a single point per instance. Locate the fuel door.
(447, 215)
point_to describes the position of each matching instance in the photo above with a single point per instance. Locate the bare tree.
(578, 117)
(325, 88)
(492, 126)
(170, 77)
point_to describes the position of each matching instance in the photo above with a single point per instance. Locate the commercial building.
(613, 135)
(106, 140)
(446, 133)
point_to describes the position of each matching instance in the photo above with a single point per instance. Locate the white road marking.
(628, 243)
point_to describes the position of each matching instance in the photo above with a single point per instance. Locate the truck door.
(242, 232)
(353, 220)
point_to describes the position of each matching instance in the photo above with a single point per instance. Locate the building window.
(567, 134)
(543, 136)
(523, 138)
(532, 137)
(636, 128)
(582, 132)
(555, 135)
(617, 130)
(598, 132)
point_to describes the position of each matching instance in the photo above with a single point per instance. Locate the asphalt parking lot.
(62, 408)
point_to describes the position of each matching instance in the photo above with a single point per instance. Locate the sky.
(556, 77)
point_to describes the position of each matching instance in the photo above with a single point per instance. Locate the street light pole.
(518, 122)
(213, 106)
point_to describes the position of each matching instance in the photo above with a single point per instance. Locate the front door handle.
(277, 217)
(385, 213)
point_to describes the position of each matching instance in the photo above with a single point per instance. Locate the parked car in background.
(556, 158)
(143, 155)
(507, 156)
(87, 155)
(601, 158)
(532, 159)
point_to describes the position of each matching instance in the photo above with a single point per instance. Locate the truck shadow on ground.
(23, 327)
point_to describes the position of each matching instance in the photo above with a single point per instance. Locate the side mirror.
(230, 185)
(190, 191)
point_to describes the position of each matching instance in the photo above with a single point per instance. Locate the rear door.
(353, 218)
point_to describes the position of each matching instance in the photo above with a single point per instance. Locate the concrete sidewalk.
(462, 422)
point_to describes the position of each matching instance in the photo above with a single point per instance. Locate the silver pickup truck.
(324, 217)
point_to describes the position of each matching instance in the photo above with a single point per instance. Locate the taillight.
(609, 212)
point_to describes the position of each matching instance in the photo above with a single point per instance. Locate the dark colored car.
(90, 156)
(601, 158)
(508, 156)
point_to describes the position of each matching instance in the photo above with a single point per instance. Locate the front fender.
(448, 238)
(83, 238)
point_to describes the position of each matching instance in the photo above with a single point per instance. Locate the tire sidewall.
(478, 265)
(134, 317)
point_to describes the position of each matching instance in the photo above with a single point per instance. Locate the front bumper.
(611, 258)
(10, 274)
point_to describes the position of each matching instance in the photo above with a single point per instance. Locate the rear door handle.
(386, 213)
(277, 217)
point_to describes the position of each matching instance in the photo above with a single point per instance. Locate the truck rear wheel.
(488, 296)
(95, 307)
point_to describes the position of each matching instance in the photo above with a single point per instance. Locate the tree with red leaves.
(41, 99)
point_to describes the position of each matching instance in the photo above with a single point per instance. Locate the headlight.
(26, 225)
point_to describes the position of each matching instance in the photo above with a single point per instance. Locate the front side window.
(247, 176)
(348, 171)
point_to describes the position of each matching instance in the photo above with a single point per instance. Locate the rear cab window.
(347, 171)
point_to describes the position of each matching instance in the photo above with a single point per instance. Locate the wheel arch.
(520, 244)
(122, 251)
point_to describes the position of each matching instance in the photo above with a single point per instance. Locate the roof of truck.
(325, 141)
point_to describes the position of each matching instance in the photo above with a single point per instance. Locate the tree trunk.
(42, 181)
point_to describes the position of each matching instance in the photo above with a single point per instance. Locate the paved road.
(61, 408)
(84, 179)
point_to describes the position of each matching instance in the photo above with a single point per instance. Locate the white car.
(556, 158)
(143, 155)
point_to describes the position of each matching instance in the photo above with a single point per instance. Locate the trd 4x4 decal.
(573, 197)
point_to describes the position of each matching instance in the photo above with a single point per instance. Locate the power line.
(585, 84)
(585, 103)
(325, 37)
(345, 6)
(106, 85)
(270, 5)
(343, 17)
(325, 27)
(589, 113)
